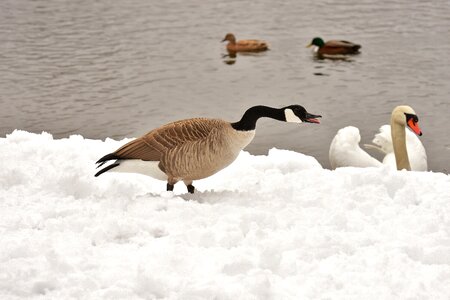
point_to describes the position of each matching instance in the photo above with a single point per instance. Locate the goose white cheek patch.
(291, 117)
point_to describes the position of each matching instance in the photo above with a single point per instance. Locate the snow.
(267, 227)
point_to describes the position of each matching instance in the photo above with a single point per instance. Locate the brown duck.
(244, 45)
(197, 148)
(334, 47)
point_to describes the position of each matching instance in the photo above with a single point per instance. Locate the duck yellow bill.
(309, 45)
(414, 127)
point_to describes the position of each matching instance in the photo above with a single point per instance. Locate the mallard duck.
(244, 45)
(197, 148)
(334, 47)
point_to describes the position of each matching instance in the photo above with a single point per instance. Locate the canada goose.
(193, 149)
(334, 47)
(234, 46)
(401, 147)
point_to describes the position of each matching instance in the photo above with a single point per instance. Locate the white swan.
(401, 147)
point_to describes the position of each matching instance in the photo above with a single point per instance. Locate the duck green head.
(317, 41)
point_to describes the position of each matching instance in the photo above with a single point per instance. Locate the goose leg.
(189, 186)
(171, 183)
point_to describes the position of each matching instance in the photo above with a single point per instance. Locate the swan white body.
(416, 151)
(346, 152)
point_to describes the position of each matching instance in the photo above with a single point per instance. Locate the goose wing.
(152, 145)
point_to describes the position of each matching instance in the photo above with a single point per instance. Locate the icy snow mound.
(267, 227)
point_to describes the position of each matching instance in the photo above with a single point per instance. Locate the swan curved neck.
(248, 120)
(399, 142)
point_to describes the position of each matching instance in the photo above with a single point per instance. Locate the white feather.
(291, 117)
(416, 151)
(149, 168)
(346, 152)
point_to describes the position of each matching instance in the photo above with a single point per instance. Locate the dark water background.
(120, 68)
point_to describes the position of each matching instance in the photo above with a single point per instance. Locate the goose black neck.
(248, 121)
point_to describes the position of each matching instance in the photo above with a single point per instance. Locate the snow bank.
(267, 227)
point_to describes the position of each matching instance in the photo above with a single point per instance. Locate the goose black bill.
(310, 118)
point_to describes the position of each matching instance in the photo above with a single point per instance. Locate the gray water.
(121, 68)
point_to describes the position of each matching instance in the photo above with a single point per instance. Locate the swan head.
(404, 115)
(298, 114)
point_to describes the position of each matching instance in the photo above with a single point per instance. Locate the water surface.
(118, 69)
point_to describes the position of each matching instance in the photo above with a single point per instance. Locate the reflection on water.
(231, 57)
(320, 58)
(118, 69)
(320, 74)
(338, 57)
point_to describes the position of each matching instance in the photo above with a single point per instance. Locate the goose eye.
(298, 110)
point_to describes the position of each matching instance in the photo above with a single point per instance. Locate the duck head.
(317, 41)
(229, 37)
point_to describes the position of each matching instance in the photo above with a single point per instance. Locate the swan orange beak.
(414, 127)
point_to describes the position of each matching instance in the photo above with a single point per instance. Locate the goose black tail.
(107, 168)
(106, 158)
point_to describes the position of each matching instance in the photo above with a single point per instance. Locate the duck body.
(192, 149)
(234, 46)
(334, 47)
(402, 148)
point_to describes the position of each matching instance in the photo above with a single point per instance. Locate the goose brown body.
(244, 45)
(189, 149)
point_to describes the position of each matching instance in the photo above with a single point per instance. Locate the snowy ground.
(267, 227)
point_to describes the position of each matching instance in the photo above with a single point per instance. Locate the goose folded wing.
(151, 146)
